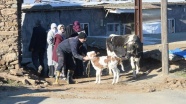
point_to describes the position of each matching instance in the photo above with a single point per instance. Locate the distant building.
(101, 19)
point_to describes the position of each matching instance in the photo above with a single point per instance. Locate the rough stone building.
(10, 19)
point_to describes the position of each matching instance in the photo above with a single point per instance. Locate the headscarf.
(69, 31)
(59, 26)
(76, 26)
(61, 31)
(53, 27)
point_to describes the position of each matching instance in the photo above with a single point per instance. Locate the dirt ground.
(150, 79)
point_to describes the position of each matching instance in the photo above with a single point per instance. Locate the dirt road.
(100, 96)
(150, 87)
(151, 90)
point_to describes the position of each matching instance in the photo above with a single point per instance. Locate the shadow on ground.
(23, 95)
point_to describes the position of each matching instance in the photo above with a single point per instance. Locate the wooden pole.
(138, 19)
(165, 57)
(138, 25)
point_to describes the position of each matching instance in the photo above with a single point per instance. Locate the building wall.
(91, 16)
(9, 34)
(179, 14)
(176, 12)
(65, 17)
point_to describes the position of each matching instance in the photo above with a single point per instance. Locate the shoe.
(57, 78)
(40, 68)
(63, 75)
(51, 71)
(69, 77)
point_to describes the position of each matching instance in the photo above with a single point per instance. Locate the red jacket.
(57, 39)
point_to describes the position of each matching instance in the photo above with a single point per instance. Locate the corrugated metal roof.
(145, 5)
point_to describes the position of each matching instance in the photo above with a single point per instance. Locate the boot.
(57, 77)
(51, 71)
(63, 74)
(69, 77)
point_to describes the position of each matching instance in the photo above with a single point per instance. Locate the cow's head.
(133, 49)
(91, 54)
(129, 48)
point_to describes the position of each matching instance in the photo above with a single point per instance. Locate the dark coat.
(81, 50)
(57, 39)
(69, 32)
(38, 39)
(71, 45)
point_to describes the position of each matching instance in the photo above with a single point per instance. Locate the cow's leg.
(137, 65)
(109, 53)
(110, 72)
(122, 66)
(132, 62)
(114, 75)
(117, 75)
(97, 75)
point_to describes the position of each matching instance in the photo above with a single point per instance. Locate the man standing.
(68, 50)
(38, 46)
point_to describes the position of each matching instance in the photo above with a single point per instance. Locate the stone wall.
(9, 34)
(47, 17)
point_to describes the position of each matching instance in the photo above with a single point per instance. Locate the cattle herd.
(118, 47)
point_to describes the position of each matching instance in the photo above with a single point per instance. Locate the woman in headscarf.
(76, 26)
(50, 41)
(72, 30)
(59, 37)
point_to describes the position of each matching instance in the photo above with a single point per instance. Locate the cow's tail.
(121, 64)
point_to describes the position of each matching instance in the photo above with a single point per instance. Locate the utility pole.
(165, 61)
(138, 24)
(138, 19)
